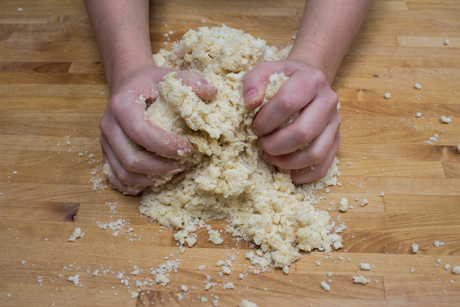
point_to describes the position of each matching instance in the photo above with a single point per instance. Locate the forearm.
(326, 31)
(122, 32)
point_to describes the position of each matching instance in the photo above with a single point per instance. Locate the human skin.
(137, 150)
(326, 30)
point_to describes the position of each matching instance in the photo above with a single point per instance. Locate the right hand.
(134, 147)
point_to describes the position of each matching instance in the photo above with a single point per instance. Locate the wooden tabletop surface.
(53, 93)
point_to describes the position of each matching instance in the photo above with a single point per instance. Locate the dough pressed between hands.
(230, 179)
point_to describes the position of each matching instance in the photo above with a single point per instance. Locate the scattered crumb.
(76, 279)
(418, 86)
(365, 266)
(76, 234)
(360, 280)
(343, 205)
(229, 286)
(364, 202)
(414, 248)
(387, 95)
(245, 303)
(445, 120)
(325, 286)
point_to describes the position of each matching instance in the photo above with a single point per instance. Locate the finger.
(305, 128)
(124, 176)
(313, 154)
(199, 84)
(255, 82)
(136, 159)
(125, 189)
(295, 94)
(143, 132)
(307, 174)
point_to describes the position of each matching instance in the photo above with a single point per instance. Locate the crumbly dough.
(230, 180)
(414, 248)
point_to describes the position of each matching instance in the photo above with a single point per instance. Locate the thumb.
(255, 82)
(200, 86)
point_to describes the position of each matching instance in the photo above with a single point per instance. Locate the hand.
(317, 125)
(133, 146)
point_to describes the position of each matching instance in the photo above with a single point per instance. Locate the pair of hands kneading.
(138, 151)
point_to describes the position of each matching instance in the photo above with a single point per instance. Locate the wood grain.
(53, 91)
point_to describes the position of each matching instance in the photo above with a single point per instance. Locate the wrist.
(125, 66)
(314, 57)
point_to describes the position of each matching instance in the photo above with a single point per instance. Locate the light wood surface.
(53, 90)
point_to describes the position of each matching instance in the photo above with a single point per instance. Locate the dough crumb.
(245, 303)
(414, 248)
(447, 266)
(418, 114)
(456, 270)
(446, 42)
(229, 286)
(418, 86)
(445, 120)
(458, 148)
(437, 243)
(76, 279)
(343, 205)
(365, 266)
(325, 286)
(76, 234)
(382, 194)
(360, 280)
(364, 202)
(387, 95)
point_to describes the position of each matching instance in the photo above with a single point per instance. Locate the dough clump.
(230, 179)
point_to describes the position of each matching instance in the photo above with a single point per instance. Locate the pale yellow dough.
(230, 180)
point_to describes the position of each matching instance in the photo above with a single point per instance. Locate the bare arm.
(326, 31)
(122, 32)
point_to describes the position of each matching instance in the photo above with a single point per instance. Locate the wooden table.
(53, 93)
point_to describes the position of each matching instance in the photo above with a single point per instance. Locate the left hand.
(317, 125)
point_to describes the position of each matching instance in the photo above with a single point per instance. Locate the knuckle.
(318, 78)
(129, 163)
(124, 177)
(287, 103)
(318, 155)
(104, 124)
(339, 118)
(304, 134)
(322, 173)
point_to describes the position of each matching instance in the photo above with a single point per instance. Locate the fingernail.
(250, 96)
